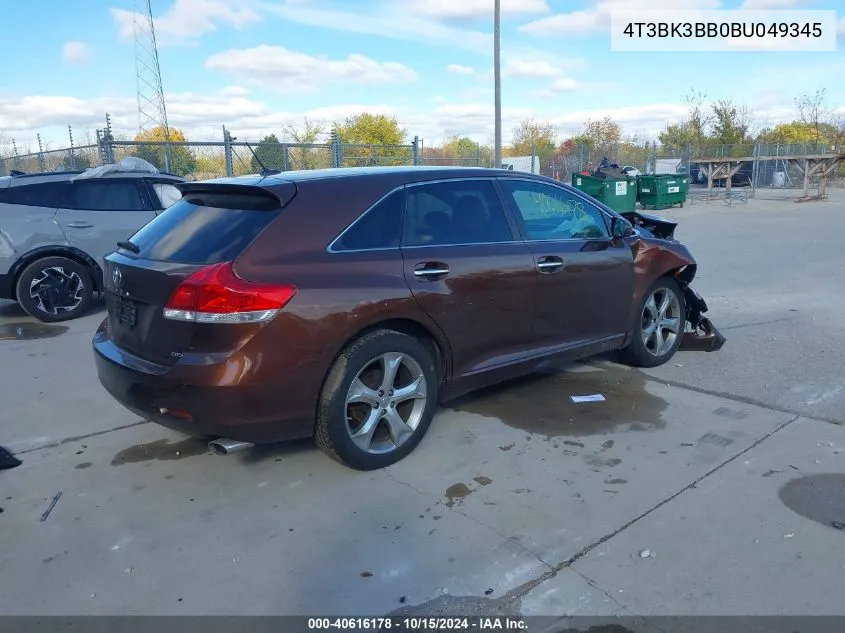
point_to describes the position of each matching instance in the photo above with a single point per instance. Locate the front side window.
(553, 213)
(454, 212)
(377, 228)
(105, 195)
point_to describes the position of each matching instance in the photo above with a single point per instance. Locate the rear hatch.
(152, 279)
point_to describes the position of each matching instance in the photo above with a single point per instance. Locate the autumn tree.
(270, 153)
(382, 136)
(537, 137)
(168, 153)
(460, 150)
(302, 151)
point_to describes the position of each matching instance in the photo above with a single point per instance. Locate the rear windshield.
(203, 229)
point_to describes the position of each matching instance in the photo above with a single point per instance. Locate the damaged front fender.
(704, 337)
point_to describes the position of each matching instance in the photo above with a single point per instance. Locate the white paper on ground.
(596, 397)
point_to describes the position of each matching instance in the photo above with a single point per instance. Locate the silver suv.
(55, 229)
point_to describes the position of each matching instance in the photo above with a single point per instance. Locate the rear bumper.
(189, 401)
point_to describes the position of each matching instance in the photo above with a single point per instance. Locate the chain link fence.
(205, 160)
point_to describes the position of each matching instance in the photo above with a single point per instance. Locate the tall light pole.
(497, 79)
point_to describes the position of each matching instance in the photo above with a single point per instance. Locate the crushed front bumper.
(704, 337)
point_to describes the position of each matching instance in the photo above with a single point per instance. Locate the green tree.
(181, 159)
(80, 161)
(463, 150)
(731, 123)
(269, 152)
(692, 130)
(381, 136)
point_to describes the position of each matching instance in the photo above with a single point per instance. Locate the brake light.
(216, 295)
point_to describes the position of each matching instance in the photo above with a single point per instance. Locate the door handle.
(550, 264)
(79, 225)
(430, 270)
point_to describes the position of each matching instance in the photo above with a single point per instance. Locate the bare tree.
(814, 112)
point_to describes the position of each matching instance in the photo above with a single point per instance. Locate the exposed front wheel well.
(69, 253)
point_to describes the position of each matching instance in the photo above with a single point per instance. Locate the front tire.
(378, 400)
(55, 289)
(660, 326)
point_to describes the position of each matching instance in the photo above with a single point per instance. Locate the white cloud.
(597, 17)
(185, 21)
(464, 9)
(771, 4)
(460, 70)
(561, 85)
(525, 68)
(76, 53)
(284, 70)
(389, 20)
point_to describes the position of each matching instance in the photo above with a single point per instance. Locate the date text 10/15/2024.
(409, 624)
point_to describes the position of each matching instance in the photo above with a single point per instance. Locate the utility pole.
(497, 79)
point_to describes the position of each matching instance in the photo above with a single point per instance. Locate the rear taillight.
(216, 295)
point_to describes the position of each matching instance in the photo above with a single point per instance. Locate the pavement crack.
(592, 583)
(78, 438)
(517, 593)
(736, 398)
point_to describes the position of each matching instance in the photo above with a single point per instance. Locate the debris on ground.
(8, 460)
(646, 554)
(596, 397)
(838, 525)
(366, 574)
(52, 505)
(790, 535)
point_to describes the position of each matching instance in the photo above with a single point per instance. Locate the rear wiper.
(129, 246)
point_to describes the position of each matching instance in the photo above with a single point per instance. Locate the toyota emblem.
(116, 277)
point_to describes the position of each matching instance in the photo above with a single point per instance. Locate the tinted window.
(167, 194)
(46, 194)
(198, 231)
(458, 212)
(377, 228)
(105, 195)
(553, 213)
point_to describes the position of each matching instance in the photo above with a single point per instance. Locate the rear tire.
(55, 289)
(367, 421)
(660, 326)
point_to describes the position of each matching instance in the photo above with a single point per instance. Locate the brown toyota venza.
(346, 304)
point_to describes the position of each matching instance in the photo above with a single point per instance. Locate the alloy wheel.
(661, 321)
(56, 291)
(386, 402)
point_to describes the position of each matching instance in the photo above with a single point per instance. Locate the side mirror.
(620, 227)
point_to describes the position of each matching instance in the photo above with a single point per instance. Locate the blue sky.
(257, 65)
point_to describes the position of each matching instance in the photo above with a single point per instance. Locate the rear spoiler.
(281, 192)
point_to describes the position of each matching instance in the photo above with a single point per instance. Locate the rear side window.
(205, 229)
(45, 194)
(105, 195)
(379, 227)
(167, 194)
(457, 212)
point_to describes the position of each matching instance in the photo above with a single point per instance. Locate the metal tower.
(152, 112)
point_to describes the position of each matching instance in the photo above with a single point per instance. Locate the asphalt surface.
(711, 485)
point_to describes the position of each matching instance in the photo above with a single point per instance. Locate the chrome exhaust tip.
(222, 446)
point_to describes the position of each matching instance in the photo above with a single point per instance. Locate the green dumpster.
(620, 194)
(661, 191)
